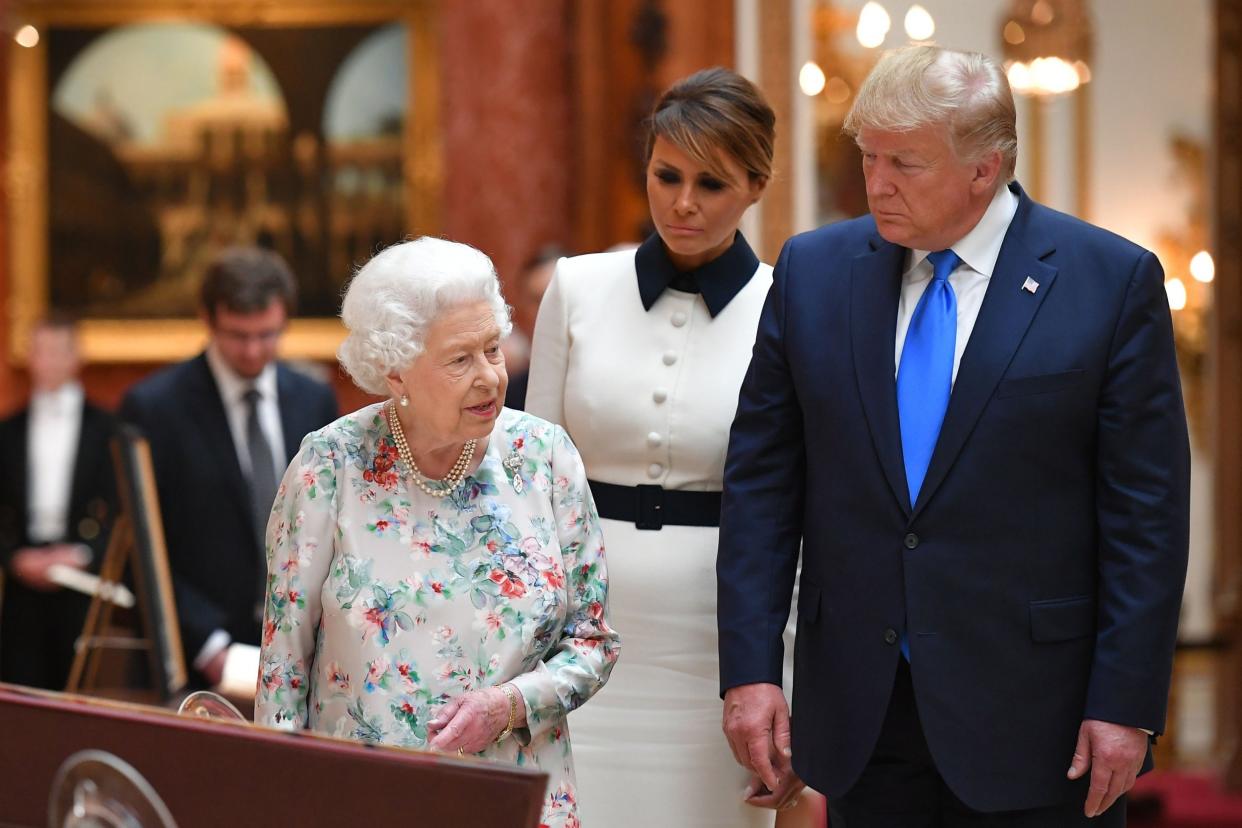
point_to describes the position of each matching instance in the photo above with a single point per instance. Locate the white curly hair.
(394, 298)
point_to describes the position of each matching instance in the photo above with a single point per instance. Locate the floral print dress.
(383, 602)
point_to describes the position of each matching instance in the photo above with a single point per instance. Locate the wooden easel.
(136, 546)
(84, 674)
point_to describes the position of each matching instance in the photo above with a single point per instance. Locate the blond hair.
(966, 92)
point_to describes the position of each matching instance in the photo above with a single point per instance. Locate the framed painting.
(147, 135)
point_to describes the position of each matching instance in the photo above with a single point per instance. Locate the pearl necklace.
(450, 481)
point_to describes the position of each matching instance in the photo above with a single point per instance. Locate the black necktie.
(262, 468)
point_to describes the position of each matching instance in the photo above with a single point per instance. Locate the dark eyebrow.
(705, 175)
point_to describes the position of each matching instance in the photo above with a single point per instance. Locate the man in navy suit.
(965, 408)
(223, 426)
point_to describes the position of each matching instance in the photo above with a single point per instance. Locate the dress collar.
(718, 281)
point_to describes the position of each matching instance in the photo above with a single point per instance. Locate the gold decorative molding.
(424, 154)
(26, 179)
(776, 78)
(89, 13)
(116, 340)
(1036, 179)
(26, 175)
(1082, 152)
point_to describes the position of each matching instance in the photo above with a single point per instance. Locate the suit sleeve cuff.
(216, 643)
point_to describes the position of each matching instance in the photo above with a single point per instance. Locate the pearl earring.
(405, 400)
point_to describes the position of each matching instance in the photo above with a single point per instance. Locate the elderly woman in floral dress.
(436, 573)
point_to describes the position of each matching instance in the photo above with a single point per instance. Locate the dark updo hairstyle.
(713, 111)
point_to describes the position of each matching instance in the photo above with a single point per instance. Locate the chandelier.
(1047, 46)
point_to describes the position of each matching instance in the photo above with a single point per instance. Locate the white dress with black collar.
(645, 378)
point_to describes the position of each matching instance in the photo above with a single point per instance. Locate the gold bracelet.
(511, 694)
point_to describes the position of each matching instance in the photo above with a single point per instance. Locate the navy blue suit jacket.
(213, 550)
(1038, 576)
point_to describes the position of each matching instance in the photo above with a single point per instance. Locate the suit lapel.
(207, 409)
(290, 421)
(875, 289)
(1002, 323)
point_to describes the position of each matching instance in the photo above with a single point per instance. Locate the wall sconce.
(874, 23)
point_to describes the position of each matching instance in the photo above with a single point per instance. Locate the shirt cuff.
(216, 642)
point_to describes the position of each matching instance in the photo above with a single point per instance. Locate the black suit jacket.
(213, 550)
(38, 628)
(1038, 576)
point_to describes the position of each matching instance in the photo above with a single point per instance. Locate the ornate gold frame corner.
(163, 340)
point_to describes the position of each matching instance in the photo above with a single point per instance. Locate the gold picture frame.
(121, 340)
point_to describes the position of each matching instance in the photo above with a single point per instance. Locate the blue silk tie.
(925, 375)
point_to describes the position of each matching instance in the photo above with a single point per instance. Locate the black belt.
(653, 507)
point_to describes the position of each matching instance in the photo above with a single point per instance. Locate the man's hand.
(756, 723)
(1114, 753)
(30, 566)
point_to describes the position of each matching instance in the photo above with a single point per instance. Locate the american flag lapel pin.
(1030, 285)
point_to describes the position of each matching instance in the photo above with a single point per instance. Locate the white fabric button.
(654, 439)
(655, 470)
(659, 395)
(679, 319)
(670, 358)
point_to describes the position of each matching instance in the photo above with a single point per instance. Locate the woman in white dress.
(436, 573)
(640, 355)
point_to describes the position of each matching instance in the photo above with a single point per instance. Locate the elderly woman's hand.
(786, 796)
(471, 722)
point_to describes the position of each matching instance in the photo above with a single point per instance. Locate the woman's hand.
(786, 796)
(472, 721)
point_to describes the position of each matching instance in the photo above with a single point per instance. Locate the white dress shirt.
(978, 251)
(55, 423)
(233, 390)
